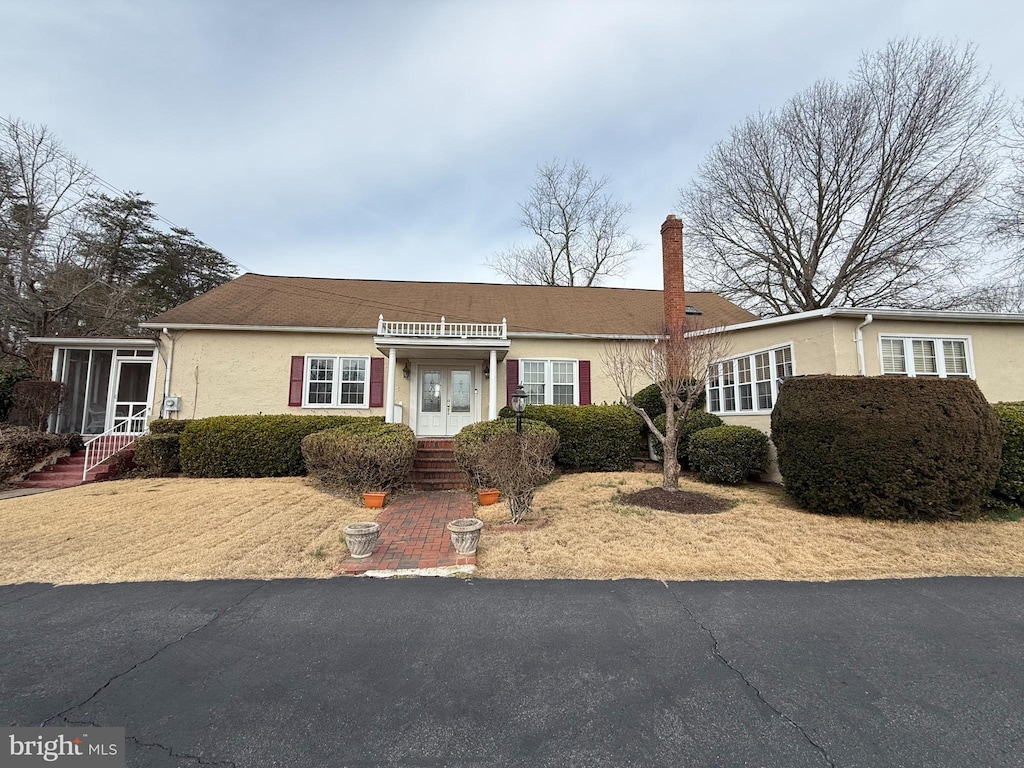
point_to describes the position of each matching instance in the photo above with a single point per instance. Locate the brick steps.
(66, 473)
(435, 468)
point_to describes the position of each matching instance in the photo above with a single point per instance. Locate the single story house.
(438, 356)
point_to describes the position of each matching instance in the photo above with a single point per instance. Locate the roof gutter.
(859, 338)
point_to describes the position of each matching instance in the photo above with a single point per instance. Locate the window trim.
(549, 384)
(752, 357)
(940, 357)
(336, 383)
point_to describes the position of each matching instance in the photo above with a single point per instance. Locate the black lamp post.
(519, 405)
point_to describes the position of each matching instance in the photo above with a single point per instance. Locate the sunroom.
(109, 384)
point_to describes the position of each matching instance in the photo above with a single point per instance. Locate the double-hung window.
(750, 383)
(335, 381)
(926, 356)
(550, 382)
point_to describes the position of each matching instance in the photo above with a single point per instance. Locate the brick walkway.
(413, 538)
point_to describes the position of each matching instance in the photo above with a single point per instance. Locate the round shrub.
(360, 458)
(694, 422)
(601, 438)
(887, 448)
(156, 454)
(469, 442)
(727, 454)
(495, 456)
(1010, 482)
(649, 398)
(255, 446)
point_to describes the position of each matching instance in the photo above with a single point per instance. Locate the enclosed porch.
(109, 384)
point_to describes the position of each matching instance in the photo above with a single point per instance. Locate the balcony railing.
(442, 330)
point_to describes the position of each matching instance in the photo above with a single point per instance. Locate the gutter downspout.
(861, 365)
(167, 375)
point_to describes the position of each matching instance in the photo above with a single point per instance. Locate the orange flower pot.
(487, 496)
(374, 500)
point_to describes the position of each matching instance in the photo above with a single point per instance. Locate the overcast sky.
(393, 140)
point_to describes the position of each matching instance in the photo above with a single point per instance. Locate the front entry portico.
(452, 370)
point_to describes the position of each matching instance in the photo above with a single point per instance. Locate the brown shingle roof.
(264, 300)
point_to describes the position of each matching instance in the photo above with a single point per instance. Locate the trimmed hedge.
(728, 454)
(22, 448)
(1010, 483)
(887, 448)
(591, 437)
(255, 446)
(168, 426)
(469, 442)
(11, 374)
(157, 454)
(360, 458)
(694, 422)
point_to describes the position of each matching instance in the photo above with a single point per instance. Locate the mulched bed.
(680, 502)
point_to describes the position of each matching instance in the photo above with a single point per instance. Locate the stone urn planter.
(465, 534)
(487, 496)
(374, 499)
(360, 538)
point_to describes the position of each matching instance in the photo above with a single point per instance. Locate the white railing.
(443, 329)
(124, 432)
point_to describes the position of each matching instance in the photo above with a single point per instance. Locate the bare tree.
(678, 364)
(581, 230)
(864, 193)
(1007, 223)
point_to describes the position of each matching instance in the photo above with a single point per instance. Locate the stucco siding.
(997, 351)
(814, 343)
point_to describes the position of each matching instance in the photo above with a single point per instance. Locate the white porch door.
(131, 397)
(447, 400)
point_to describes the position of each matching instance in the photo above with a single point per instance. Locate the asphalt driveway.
(427, 672)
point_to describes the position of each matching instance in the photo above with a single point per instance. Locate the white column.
(389, 400)
(492, 402)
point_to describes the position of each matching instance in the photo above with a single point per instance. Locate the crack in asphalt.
(169, 750)
(760, 697)
(26, 597)
(179, 755)
(160, 650)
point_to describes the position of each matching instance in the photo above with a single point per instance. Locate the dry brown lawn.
(176, 529)
(764, 536)
(184, 529)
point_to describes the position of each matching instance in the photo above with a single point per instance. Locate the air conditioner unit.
(172, 404)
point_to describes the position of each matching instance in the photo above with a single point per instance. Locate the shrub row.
(1010, 482)
(22, 448)
(255, 446)
(889, 448)
(157, 454)
(591, 437)
(361, 458)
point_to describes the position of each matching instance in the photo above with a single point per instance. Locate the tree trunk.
(669, 451)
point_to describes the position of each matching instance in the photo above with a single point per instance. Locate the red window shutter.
(584, 382)
(295, 383)
(377, 382)
(511, 379)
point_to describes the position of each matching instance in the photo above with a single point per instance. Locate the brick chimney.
(672, 266)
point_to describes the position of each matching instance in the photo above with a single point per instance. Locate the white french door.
(447, 400)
